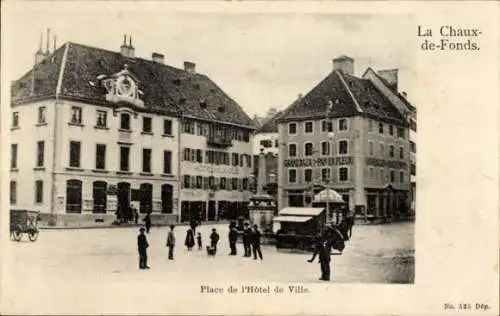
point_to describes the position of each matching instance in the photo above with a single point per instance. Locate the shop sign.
(386, 163)
(319, 162)
(216, 169)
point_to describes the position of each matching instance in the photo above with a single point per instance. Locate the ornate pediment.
(122, 87)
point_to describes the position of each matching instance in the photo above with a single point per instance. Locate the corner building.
(349, 134)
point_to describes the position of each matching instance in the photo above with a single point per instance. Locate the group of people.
(251, 240)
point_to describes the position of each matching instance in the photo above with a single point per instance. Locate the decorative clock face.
(125, 86)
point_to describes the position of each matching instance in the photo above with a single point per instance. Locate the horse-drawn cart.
(24, 222)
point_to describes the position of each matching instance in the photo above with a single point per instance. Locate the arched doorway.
(73, 196)
(146, 198)
(99, 195)
(123, 197)
(167, 192)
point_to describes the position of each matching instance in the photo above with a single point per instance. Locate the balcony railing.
(219, 141)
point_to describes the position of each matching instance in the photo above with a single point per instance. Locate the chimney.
(55, 42)
(48, 41)
(39, 55)
(261, 176)
(391, 77)
(158, 58)
(190, 67)
(131, 49)
(345, 64)
(124, 47)
(405, 95)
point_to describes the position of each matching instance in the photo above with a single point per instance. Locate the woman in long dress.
(189, 239)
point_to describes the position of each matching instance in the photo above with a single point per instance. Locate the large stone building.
(349, 134)
(94, 131)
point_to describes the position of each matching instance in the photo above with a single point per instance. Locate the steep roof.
(166, 89)
(270, 125)
(350, 96)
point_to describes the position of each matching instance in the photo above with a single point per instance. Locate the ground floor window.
(38, 191)
(167, 202)
(146, 198)
(74, 196)
(13, 192)
(193, 210)
(295, 200)
(99, 195)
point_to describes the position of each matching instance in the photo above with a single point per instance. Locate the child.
(198, 239)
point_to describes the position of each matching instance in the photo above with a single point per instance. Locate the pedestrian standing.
(147, 222)
(142, 246)
(323, 248)
(136, 215)
(246, 240)
(255, 241)
(171, 243)
(198, 239)
(189, 242)
(233, 238)
(214, 239)
(193, 225)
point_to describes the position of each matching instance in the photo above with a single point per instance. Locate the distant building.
(349, 134)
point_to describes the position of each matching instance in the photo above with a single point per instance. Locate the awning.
(304, 211)
(295, 219)
(329, 195)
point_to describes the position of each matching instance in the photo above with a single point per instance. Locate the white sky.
(261, 60)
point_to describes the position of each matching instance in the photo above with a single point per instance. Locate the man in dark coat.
(255, 241)
(193, 223)
(147, 222)
(233, 238)
(322, 248)
(214, 239)
(246, 240)
(142, 246)
(171, 243)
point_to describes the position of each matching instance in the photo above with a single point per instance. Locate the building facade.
(345, 135)
(96, 131)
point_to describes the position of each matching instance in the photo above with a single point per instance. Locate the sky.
(261, 60)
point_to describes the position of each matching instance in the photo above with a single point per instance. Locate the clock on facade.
(125, 86)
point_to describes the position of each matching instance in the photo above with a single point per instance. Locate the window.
(242, 160)
(76, 115)
(167, 162)
(308, 149)
(382, 175)
(13, 192)
(401, 132)
(38, 191)
(292, 150)
(370, 149)
(413, 169)
(211, 182)
(391, 130)
(343, 147)
(245, 184)
(125, 121)
(249, 161)
(13, 156)
(167, 127)
(381, 128)
(187, 154)
(100, 156)
(326, 126)
(102, 119)
(124, 158)
(187, 182)
(370, 125)
(199, 182)
(343, 125)
(391, 151)
(234, 184)
(393, 176)
(382, 153)
(372, 173)
(308, 175)
(223, 185)
(292, 128)
(325, 174)
(401, 153)
(266, 143)
(74, 154)
(40, 153)
(343, 174)
(413, 147)
(401, 176)
(41, 115)
(199, 155)
(147, 123)
(15, 119)
(188, 127)
(308, 127)
(146, 160)
(325, 148)
(292, 175)
(235, 159)
(276, 144)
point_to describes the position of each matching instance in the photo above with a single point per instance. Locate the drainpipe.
(179, 156)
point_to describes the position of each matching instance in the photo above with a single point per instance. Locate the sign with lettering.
(386, 163)
(319, 162)
(216, 169)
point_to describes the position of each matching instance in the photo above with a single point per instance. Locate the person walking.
(255, 241)
(193, 223)
(189, 242)
(214, 239)
(171, 243)
(233, 238)
(136, 215)
(198, 239)
(142, 246)
(246, 240)
(323, 248)
(147, 222)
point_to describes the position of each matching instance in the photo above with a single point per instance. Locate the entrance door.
(74, 196)
(371, 204)
(167, 198)
(211, 210)
(295, 201)
(99, 195)
(146, 198)
(123, 197)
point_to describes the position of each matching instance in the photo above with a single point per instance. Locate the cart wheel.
(17, 234)
(33, 235)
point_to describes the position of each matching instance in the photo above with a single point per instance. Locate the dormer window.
(177, 82)
(222, 109)
(196, 86)
(203, 104)
(125, 121)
